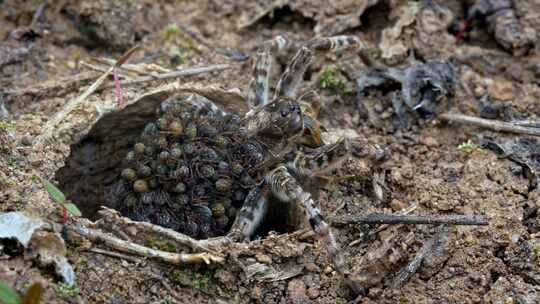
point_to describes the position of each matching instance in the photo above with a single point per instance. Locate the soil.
(428, 166)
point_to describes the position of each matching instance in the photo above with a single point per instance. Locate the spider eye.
(285, 112)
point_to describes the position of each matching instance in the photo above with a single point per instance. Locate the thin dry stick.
(174, 74)
(139, 69)
(72, 104)
(37, 15)
(112, 216)
(527, 123)
(100, 69)
(408, 210)
(115, 255)
(136, 249)
(495, 125)
(430, 219)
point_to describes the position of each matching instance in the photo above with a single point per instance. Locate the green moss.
(181, 45)
(403, 300)
(72, 243)
(468, 147)
(171, 31)
(66, 291)
(177, 56)
(341, 301)
(336, 194)
(536, 252)
(160, 245)
(201, 280)
(130, 3)
(181, 277)
(6, 125)
(330, 81)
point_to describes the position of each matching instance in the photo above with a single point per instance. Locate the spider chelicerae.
(205, 172)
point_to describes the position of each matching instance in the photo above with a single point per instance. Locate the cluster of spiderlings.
(189, 171)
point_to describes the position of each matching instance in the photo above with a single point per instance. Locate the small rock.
(312, 267)
(328, 270)
(430, 142)
(479, 91)
(313, 293)
(131, 230)
(263, 258)
(27, 140)
(501, 90)
(397, 205)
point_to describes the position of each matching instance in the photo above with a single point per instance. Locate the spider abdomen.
(190, 171)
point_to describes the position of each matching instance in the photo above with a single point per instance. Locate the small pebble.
(397, 205)
(430, 142)
(27, 140)
(263, 258)
(501, 90)
(313, 293)
(312, 267)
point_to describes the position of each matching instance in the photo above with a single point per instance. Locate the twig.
(430, 219)
(99, 69)
(382, 227)
(174, 74)
(37, 15)
(139, 69)
(116, 255)
(72, 104)
(495, 125)
(132, 248)
(527, 123)
(209, 245)
(433, 246)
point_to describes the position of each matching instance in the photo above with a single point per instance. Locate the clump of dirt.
(434, 166)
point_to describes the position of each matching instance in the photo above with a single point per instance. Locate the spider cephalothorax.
(203, 172)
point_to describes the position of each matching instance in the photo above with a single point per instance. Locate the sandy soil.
(499, 263)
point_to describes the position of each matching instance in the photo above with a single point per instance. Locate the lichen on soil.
(496, 65)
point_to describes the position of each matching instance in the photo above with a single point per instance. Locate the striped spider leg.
(299, 181)
(281, 126)
(258, 90)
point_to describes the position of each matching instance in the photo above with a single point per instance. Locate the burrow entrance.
(195, 192)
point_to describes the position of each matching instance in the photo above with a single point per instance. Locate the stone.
(397, 205)
(502, 90)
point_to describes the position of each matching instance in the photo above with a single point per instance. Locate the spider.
(286, 161)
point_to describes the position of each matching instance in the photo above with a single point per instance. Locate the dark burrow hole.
(284, 17)
(375, 18)
(96, 162)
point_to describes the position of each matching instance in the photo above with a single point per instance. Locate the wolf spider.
(296, 160)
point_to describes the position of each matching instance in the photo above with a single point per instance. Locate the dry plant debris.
(496, 68)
